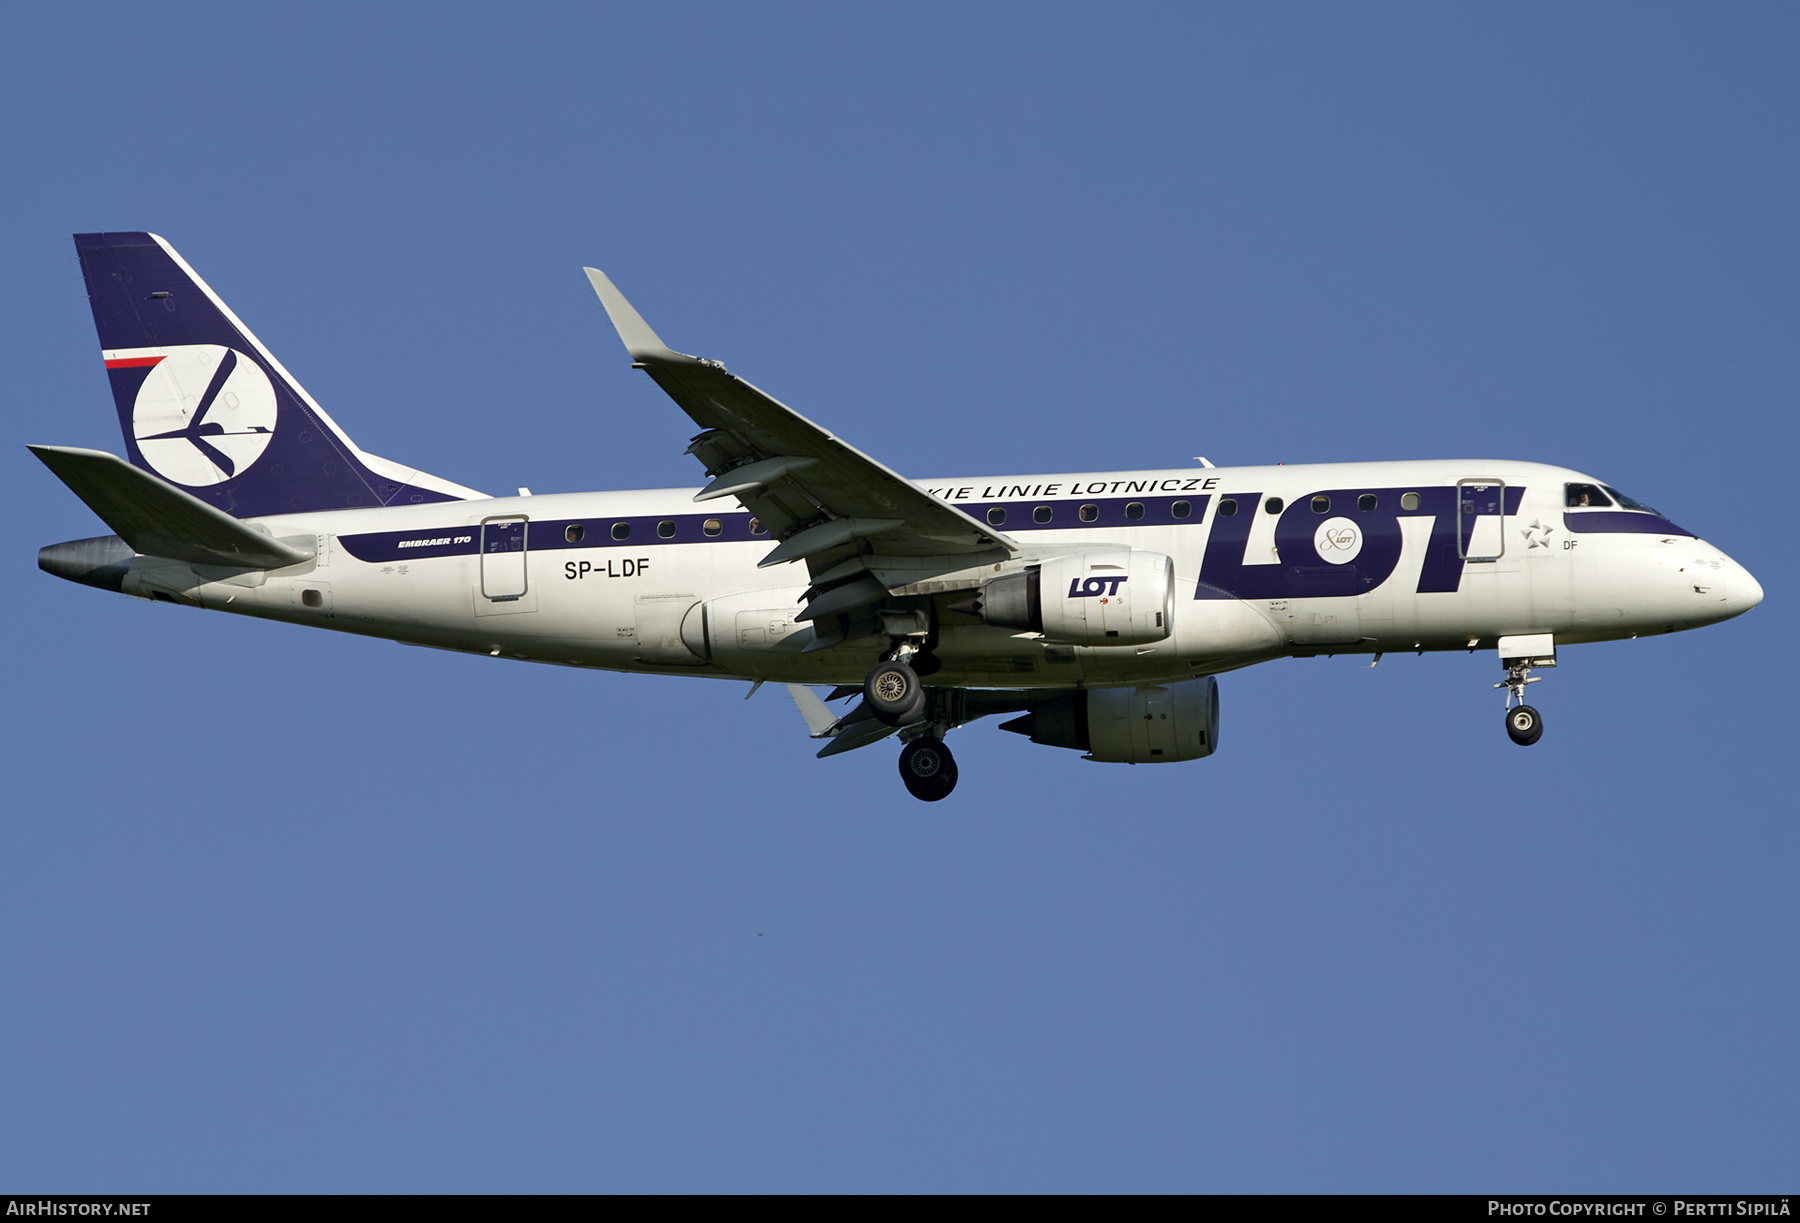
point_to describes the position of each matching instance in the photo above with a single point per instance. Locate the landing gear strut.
(928, 769)
(893, 693)
(1524, 725)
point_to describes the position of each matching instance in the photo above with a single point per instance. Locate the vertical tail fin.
(206, 407)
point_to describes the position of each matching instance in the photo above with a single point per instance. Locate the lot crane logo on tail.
(204, 413)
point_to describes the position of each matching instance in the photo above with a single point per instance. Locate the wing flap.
(753, 477)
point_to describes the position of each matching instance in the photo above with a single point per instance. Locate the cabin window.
(1366, 502)
(1273, 505)
(1135, 510)
(312, 598)
(757, 528)
(665, 529)
(573, 532)
(621, 530)
(1409, 501)
(1042, 513)
(997, 516)
(1321, 504)
(1227, 507)
(711, 528)
(1180, 509)
(1089, 513)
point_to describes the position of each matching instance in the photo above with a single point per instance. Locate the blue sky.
(292, 911)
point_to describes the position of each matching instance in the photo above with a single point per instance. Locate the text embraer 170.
(1097, 605)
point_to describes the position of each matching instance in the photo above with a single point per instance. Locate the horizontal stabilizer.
(158, 519)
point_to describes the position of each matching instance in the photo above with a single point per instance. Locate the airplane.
(1098, 608)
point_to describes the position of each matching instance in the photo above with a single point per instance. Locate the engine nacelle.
(1092, 598)
(1153, 724)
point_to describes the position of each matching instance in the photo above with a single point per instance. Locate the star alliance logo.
(1537, 535)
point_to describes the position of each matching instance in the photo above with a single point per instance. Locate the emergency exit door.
(503, 558)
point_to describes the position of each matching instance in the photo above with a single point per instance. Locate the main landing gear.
(894, 694)
(1524, 725)
(928, 769)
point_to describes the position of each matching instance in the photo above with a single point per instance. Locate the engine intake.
(1092, 598)
(1153, 724)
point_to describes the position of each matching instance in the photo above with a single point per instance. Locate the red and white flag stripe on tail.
(133, 358)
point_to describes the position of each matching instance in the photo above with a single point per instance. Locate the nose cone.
(1741, 591)
(1745, 591)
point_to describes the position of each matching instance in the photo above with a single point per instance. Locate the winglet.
(642, 343)
(819, 720)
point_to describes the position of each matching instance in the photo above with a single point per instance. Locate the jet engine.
(1152, 724)
(1091, 598)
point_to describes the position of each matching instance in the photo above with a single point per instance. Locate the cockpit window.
(1577, 496)
(1628, 503)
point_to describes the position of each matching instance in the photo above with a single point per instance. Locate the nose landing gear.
(1519, 655)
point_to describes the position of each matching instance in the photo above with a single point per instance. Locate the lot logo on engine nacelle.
(1080, 588)
(204, 414)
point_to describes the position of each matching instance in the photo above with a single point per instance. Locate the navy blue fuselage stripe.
(551, 534)
(1223, 574)
(1065, 514)
(1621, 522)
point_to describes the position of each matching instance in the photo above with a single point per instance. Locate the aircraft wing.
(820, 497)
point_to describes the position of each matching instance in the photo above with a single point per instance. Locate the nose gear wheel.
(1524, 725)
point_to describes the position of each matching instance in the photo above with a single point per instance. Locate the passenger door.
(503, 558)
(1480, 519)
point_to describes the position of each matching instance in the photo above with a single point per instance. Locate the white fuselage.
(1490, 550)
